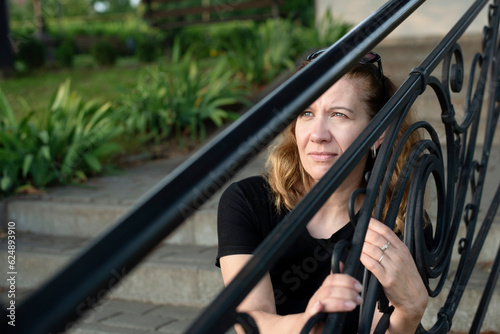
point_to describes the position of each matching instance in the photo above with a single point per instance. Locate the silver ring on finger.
(381, 258)
(384, 247)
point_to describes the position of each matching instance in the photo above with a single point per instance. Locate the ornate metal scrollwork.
(454, 172)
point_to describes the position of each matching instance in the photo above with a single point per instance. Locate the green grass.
(90, 81)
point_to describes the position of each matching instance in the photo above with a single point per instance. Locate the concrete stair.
(179, 276)
(90, 210)
(171, 274)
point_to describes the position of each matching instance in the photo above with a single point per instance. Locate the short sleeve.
(239, 220)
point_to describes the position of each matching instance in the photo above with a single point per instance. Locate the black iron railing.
(92, 274)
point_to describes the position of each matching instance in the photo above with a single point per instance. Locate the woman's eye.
(307, 114)
(338, 114)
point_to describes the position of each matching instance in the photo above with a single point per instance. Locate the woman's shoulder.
(255, 186)
(255, 180)
(251, 195)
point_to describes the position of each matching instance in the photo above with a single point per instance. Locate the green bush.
(327, 32)
(260, 52)
(144, 112)
(32, 53)
(65, 53)
(147, 49)
(197, 95)
(25, 155)
(72, 142)
(180, 97)
(198, 39)
(245, 39)
(82, 133)
(104, 53)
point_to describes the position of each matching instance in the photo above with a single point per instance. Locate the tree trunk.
(6, 54)
(40, 24)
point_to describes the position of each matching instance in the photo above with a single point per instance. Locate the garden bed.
(122, 114)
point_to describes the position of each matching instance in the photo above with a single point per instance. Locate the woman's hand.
(388, 258)
(338, 293)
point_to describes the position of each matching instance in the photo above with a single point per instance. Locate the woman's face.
(328, 127)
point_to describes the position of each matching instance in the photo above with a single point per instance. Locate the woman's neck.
(334, 214)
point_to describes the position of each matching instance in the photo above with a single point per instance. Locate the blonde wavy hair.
(287, 177)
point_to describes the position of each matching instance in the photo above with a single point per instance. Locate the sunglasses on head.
(370, 58)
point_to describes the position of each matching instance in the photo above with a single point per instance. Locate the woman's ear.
(380, 140)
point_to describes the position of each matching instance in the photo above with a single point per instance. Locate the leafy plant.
(181, 96)
(72, 142)
(330, 29)
(80, 133)
(196, 95)
(145, 111)
(327, 32)
(279, 52)
(25, 157)
(22, 146)
(11, 163)
(260, 52)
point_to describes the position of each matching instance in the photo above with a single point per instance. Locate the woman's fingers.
(342, 280)
(388, 258)
(338, 293)
(382, 249)
(373, 251)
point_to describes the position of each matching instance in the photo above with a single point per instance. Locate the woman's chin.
(318, 174)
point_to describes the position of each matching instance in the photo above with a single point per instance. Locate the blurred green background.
(95, 83)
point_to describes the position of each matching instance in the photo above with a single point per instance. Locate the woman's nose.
(320, 132)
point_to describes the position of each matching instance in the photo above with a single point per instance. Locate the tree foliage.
(114, 6)
(23, 10)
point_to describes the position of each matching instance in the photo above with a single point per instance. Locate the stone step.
(58, 219)
(89, 210)
(120, 316)
(185, 276)
(111, 316)
(55, 216)
(171, 274)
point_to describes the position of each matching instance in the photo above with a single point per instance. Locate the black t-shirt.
(247, 215)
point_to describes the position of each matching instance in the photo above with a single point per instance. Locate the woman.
(301, 284)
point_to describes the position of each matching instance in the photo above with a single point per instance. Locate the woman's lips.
(322, 156)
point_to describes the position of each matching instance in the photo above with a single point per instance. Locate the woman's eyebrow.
(332, 108)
